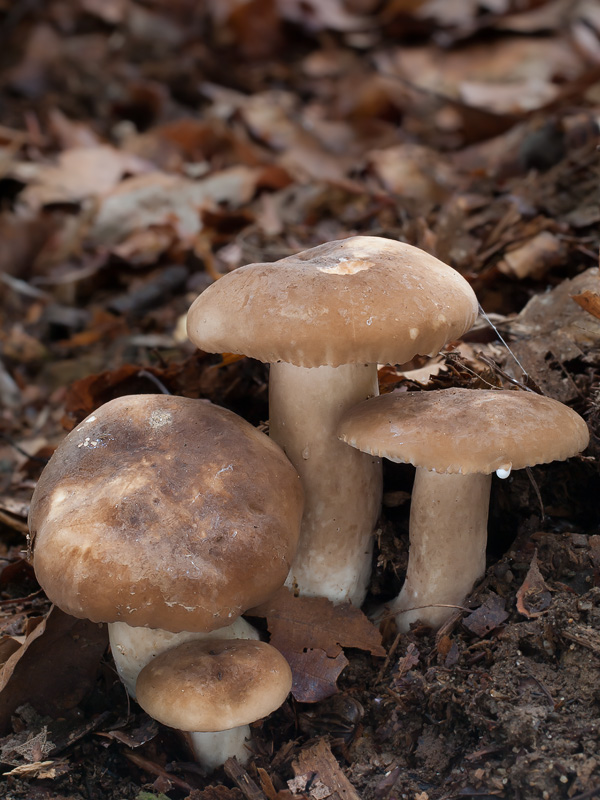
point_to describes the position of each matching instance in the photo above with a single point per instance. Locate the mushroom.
(323, 319)
(212, 690)
(167, 518)
(456, 438)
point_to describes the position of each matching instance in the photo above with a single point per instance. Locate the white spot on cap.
(346, 266)
(413, 333)
(504, 471)
(160, 418)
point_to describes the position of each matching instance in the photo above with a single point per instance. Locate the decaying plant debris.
(148, 147)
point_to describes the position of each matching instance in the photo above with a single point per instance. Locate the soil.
(330, 136)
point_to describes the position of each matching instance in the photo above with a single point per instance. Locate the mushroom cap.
(465, 430)
(365, 299)
(164, 512)
(214, 684)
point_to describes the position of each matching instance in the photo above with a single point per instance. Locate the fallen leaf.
(320, 15)
(515, 78)
(136, 738)
(533, 597)
(39, 769)
(534, 257)
(589, 301)
(487, 617)
(160, 199)
(79, 173)
(407, 662)
(314, 673)
(310, 632)
(54, 668)
(413, 171)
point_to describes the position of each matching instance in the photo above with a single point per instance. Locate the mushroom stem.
(448, 534)
(133, 648)
(212, 749)
(342, 486)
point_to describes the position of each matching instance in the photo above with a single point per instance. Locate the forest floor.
(148, 147)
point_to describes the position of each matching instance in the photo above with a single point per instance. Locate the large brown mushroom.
(323, 319)
(167, 518)
(457, 438)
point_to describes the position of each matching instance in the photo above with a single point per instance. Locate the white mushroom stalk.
(323, 319)
(448, 535)
(133, 648)
(456, 438)
(342, 486)
(211, 749)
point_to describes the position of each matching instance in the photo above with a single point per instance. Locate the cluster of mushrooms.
(168, 518)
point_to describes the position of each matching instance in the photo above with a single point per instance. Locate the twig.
(536, 489)
(389, 657)
(505, 375)
(13, 523)
(20, 450)
(144, 373)
(155, 769)
(593, 792)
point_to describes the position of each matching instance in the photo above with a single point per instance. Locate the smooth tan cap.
(359, 300)
(464, 430)
(214, 684)
(164, 512)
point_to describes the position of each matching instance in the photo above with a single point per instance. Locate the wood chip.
(586, 637)
(242, 780)
(319, 776)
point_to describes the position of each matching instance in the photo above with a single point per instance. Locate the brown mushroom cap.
(359, 300)
(164, 512)
(214, 684)
(464, 430)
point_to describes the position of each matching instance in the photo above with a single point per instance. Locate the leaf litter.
(147, 148)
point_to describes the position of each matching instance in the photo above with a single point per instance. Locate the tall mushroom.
(167, 518)
(457, 438)
(211, 690)
(323, 319)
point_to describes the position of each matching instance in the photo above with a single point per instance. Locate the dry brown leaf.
(589, 301)
(103, 326)
(314, 673)
(533, 597)
(54, 668)
(160, 199)
(413, 171)
(487, 617)
(39, 769)
(551, 323)
(79, 173)
(303, 628)
(272, 117)
(409, 660)
(534, 257)
(321, 15)
(515, 78)
(111, 11)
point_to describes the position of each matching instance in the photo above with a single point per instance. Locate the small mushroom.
(167, 518)
(323, 319)
(457, 438)
(212, 690)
